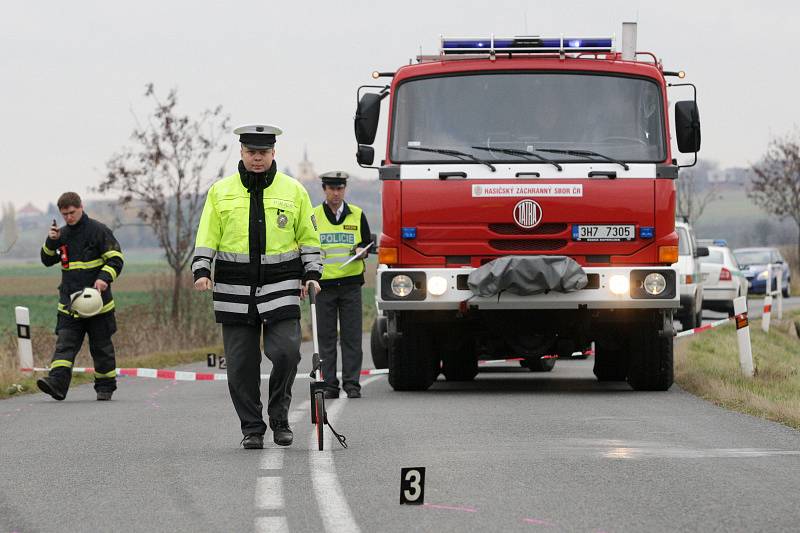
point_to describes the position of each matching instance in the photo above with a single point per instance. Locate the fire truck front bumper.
(447, 289)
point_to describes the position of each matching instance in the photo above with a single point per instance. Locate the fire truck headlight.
(619, 284)
(654, 283)
(437, 285)
(402, 285)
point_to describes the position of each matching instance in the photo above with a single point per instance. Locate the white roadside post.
(766, 313)
(24, 348)
(780, 292)
(743, 334)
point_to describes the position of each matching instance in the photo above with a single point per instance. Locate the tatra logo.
(527, 214)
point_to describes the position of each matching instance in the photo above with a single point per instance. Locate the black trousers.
(243, 356)
(71, 332)
(340, 304)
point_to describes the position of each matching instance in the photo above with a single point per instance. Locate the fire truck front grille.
(519, 245)
(512, 229)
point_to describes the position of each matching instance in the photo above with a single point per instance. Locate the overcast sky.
(73, 73)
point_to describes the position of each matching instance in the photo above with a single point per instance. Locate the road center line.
(333, 508)
(269, 493)
(272, 459)
(302, 410)
(271, 524)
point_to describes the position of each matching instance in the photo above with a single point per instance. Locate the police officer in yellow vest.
(258, 228)
(344, 233)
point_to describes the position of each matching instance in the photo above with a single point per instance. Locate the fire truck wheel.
(610, 362)
(539, 365)
(412, 365)
(380, 354)
(651, 366)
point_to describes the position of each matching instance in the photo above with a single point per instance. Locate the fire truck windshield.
(617, 116)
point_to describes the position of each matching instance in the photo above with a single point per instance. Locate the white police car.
(723, 278)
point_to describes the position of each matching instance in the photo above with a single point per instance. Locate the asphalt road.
(511, 451)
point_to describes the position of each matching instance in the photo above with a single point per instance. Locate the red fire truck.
(528, 194)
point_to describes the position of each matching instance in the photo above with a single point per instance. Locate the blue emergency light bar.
(526, 45)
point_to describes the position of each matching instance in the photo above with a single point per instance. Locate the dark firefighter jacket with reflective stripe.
(87, 251)
(259, 230)
(339, 240)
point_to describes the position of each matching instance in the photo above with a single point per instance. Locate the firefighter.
(90, 257)
(258, 227)
(344, 233)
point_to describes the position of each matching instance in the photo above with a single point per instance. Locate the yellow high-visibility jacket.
(338, 243)
(264, 243)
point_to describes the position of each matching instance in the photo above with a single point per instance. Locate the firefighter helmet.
(86, 303)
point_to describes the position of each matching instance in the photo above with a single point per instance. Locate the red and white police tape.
(180, 375)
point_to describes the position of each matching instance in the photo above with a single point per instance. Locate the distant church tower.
(305, 170)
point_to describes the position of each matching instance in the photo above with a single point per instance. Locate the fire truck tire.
(609, 364)
(380, 353)
(539, 365)
(651, 367)
(412, 365)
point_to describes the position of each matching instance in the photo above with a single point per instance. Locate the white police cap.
(258, 136)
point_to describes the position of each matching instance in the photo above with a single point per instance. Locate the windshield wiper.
(520, 153)
(586, 152)
(446, 151)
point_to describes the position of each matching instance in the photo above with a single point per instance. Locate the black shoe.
(353, 393)
(281, 432)
(47, 386)
(253, 441)
(331, 393)
(104, 395)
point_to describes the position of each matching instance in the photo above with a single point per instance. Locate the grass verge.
(708, 367)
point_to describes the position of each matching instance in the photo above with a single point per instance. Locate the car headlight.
(618, 284)
(437, 285)
(654, 283)
(763, 275)
(402, 285)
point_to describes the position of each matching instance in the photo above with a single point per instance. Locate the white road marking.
(333, 507)
(269, 493)
(272, 459)
(271, 524)
(301, 411)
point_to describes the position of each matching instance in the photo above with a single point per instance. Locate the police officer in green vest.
(259, 231)
(344, 237)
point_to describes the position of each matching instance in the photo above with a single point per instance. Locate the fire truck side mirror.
(368, 112)
(687, 126)
(365, 155)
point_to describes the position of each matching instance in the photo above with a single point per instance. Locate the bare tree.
(8, 228)
(692, 199)
(164, 175)
(776, 185)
